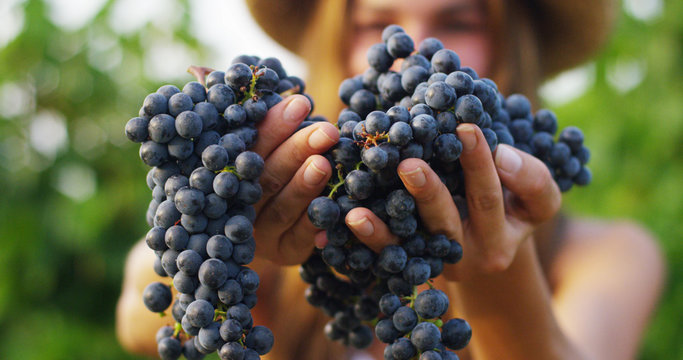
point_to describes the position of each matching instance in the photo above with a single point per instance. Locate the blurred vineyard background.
(73, 194)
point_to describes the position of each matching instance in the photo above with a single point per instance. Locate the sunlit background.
(72, 189)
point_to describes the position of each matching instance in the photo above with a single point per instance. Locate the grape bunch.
(204, 183)
(413, 113)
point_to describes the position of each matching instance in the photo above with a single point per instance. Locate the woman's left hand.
(498, 221)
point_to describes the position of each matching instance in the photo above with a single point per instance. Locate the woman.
(533, 284)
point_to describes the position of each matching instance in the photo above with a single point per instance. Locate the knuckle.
(539, 184)
(300, 151)
(270, 183)
(496, 262)
(486, 201)
(294, 248)
(281, 214)
(429, 193)
(555, 202)
(543, 190)
(425, 196)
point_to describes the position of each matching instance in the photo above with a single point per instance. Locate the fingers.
(302, 241)
(370, 229)
(484, 193)
(284, 161)
(284, 209)
(434, 202)
(296, 243)
(280, 122)
(536, 197)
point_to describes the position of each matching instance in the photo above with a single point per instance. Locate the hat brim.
(569, 31)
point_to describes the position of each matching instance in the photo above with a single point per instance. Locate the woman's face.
(459, 24)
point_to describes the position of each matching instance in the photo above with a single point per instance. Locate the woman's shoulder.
(613, 244)
(607, 278)
(582, 233)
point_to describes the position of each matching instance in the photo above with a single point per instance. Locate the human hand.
(498, 222)
(294, 174)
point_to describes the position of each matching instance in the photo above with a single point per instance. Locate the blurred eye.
(459, 25)
(373, 26)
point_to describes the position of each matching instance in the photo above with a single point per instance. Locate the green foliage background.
(61, 257)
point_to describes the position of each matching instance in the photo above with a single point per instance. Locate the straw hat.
(570, 31)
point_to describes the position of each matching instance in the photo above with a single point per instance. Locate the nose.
(418, 29)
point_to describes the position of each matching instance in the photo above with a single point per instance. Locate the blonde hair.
(325, 50)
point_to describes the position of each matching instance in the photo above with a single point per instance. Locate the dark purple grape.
(400, 45)
(445, 61)
(157, 297)
(379, 58)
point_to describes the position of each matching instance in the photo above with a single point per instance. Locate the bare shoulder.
(620, 241)
(607, 279)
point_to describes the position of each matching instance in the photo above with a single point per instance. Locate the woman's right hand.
(498, 222)
(295, 173)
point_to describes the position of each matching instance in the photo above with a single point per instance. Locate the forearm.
(511, 314)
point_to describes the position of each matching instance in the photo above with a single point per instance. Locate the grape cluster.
(204, 183)
(392, 116)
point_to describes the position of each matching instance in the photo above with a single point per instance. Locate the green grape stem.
(336, 186)
(372, 323)
(177, 329)
(252, 85)
(230, 169)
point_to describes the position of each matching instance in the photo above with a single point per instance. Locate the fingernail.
(313, 175)
(296, 109)
(467, 136)
(507, 159)
(320, 240)
(319, 139)
(415, 177)
(363, 226)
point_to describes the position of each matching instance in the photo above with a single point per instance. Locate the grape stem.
(177, 329)
(336, 186)
(371, 139)
(412, 298)
(431, 285)
(372, 322)
(256, 73)
(230, 169)
(217, 314)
